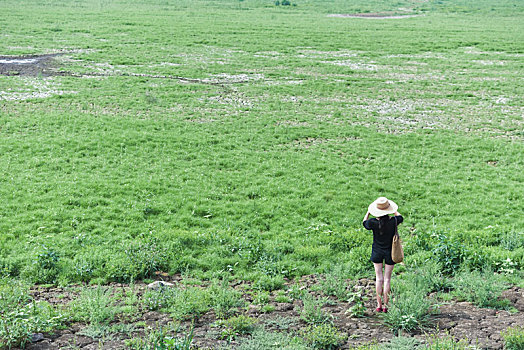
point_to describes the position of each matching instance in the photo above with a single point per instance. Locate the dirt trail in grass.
(372, 15)
(47, 66)
(461, 319)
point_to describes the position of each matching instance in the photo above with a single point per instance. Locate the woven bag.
(397, 253)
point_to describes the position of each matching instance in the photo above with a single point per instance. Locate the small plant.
(436, 342)
(296, 291)
(281, 297)
(235, 326)
(261, 298)
(324, 336)
(281, 323)
(160, 339)
(431, 278)
(357, 300)
(224, 299)
(513, 338)
(45, 267)
(512, 240)
(410, 309)
(146, 256)
(94, 306)
(267, 308)
(335, 284)
(190, 303)
(262, 339)
(312, 310)
(270, 283)
(159, 298)
(403, 343)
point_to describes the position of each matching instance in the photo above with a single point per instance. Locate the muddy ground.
(30, 65)
(482, 327)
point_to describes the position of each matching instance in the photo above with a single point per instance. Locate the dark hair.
(381, 222)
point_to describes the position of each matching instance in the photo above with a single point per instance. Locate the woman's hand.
(366, 216)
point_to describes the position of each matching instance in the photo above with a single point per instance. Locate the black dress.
(382, 238)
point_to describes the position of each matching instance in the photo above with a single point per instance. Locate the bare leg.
(379, 283)
(387, 282)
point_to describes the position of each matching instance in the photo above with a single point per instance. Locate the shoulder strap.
(396, 230)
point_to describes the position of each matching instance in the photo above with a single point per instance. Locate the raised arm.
(397, 213)
(366, 216)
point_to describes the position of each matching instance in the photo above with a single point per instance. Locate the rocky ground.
(482, 327)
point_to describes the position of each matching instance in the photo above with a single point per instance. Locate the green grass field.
(244, 138)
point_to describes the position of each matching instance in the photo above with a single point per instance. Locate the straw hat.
(382, 206)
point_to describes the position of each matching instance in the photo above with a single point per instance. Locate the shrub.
(513, 338)
(324, 336)
(481, 288)
(44, 268)
(449, 253)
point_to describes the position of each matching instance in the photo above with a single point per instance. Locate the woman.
(384, 228)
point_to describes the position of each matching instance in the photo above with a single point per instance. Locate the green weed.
(409, 309)
(323, 336)
(263, 340)
(225, 299)
(95, 306)
(483, 288)
(21, 317)
(513, 338)
(236, 326)
(334, 283)
(357, 301)
(435, 342)
(162, 338)
(312, 312)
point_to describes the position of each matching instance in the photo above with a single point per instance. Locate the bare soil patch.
(30, 65)
(372, 15)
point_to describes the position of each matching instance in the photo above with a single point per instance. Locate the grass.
(246, 139)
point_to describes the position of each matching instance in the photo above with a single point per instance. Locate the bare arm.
(397, 213)
(366, 216)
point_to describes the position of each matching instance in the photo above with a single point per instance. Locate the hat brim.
(373, 210)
